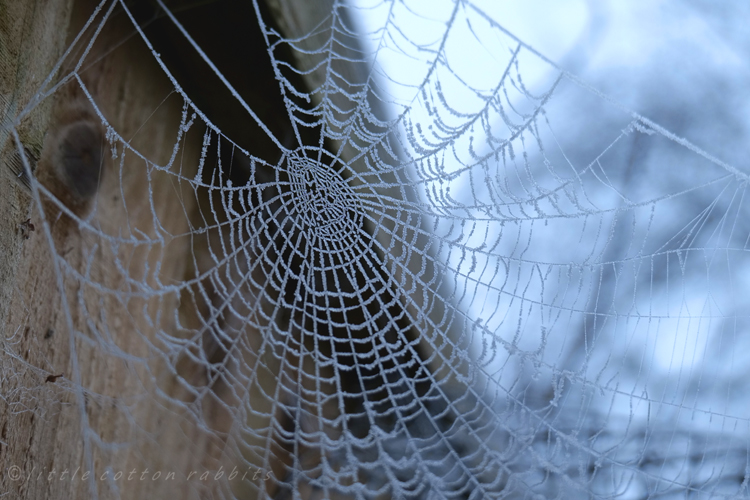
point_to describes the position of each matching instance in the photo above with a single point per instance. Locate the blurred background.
(585, 163)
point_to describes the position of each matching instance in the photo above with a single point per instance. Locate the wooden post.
(83, 387)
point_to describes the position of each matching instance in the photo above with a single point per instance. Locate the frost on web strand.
(378, 283)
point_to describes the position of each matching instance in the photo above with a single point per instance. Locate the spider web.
(439, 282)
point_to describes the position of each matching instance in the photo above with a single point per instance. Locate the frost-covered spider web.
(444, 268)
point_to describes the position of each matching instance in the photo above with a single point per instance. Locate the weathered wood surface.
(35, 432)
(55, 321)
